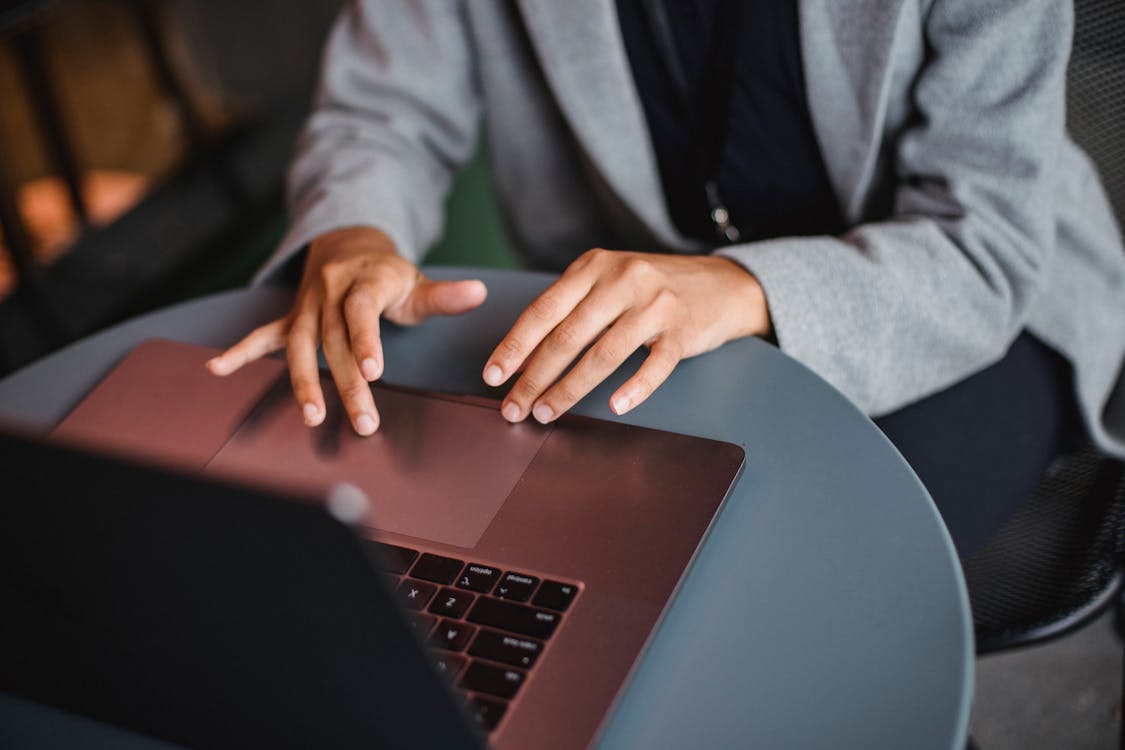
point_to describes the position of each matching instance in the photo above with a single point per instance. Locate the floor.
(1061, 696)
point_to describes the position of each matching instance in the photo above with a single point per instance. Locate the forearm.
(906, 304)
(396, 114)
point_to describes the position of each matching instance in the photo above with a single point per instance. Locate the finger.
(431, 298)
(363, 305)
(258, 343)
(664, 355)
(304, 373)
(354, 390)
(559, 349)
(532, 326)
(617, 344)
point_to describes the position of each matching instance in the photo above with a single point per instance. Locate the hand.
(352, 277)
(677, 306)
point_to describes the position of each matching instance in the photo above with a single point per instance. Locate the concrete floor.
(1061, 696)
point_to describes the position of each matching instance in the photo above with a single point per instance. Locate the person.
(886, 190)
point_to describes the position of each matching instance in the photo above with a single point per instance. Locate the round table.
(826, 609)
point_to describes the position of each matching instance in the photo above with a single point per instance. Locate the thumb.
(442, 298)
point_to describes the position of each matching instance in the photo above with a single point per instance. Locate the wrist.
(748, 299)
(349, 240)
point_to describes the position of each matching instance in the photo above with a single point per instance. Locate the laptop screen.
(205, 614)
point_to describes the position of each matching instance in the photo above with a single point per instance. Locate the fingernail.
(621, 404)
(542, 413)
(364, 424)
(310, 413)
(493, 375)
(511, 412)
(370, 369)
(215, 365)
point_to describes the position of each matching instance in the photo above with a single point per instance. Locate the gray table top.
(826, 608)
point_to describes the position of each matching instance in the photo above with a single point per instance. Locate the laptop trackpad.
(436, 469)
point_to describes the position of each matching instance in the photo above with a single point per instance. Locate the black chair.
(1058, 563)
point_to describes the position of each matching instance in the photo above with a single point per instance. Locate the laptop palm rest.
(435, 470)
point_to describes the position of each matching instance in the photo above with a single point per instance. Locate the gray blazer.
(941, 123)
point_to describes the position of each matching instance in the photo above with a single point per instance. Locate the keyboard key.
(421, 623)
(516, 586)
(452, 636)
(448, 664)
(555, 595)
(485, 678)
(389, 557)
(518, 618)
(451, 602)
(479, 578)
(415, 594)
(486, 712)
(509, 649)
(437, 568)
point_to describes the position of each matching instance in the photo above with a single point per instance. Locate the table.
(825, 610)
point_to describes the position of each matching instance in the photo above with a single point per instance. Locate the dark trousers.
(980, 446)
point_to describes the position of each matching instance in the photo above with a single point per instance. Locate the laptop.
(533, 562)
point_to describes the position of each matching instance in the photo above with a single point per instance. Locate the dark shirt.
(770, 175)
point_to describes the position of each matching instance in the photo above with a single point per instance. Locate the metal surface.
(827, 608)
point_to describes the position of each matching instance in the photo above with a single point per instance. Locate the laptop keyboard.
(486, 626)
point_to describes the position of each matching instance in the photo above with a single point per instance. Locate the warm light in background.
(50, 219)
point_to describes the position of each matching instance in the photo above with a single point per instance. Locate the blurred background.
(143, 148)
(144, 143)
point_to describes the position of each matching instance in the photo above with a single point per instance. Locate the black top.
(770, 172)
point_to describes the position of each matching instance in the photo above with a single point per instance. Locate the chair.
(1057, 564)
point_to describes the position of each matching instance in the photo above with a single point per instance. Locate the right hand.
(352, 277)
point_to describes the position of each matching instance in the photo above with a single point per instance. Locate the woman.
(886, 190)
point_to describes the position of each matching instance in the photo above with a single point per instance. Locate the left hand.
(678, 306)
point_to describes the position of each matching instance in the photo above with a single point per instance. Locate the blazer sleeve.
(898, 309)
(395, 116)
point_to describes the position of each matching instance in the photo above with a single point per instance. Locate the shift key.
(517, 618)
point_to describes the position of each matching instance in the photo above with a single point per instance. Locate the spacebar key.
(517, 618)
